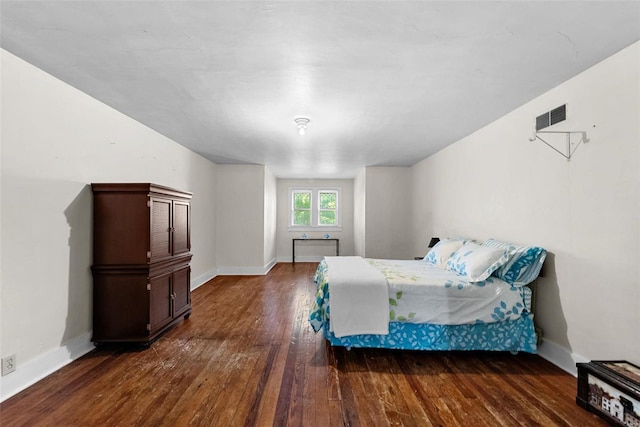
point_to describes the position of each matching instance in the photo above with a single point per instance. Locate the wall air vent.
(551, 117)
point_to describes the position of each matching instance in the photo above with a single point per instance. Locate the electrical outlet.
(8, 364)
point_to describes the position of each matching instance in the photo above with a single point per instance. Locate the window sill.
(311, 229)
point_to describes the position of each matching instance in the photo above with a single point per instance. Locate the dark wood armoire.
(141, 256)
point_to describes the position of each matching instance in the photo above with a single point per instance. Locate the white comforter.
(422, 293)
(359, 297)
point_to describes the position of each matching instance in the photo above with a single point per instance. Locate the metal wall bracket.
(570, 145)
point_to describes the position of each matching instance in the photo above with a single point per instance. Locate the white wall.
(310, 251)
(359, 212)
(270, 218)
(495, 183)
(56, 140)
(388, 212)
(241, 219)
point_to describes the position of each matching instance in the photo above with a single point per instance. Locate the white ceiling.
(384, 83)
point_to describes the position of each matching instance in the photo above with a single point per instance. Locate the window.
(301, 208)
(313, 208)
(327, 207)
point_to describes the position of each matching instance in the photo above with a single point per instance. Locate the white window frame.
(315, 209)
(292, 209)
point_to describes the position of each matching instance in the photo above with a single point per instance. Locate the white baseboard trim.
(302, 259)
(244, 271)
(270, 265)
(29, 373)
(203, 278)
(560, 356)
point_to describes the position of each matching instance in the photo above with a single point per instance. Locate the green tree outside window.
(302, 208)
(328, 206)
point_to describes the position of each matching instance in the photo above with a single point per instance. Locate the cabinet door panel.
(160, 296)
(181, 225)
(120, 304)
(181, 291)
(160, 229)
(120, 229)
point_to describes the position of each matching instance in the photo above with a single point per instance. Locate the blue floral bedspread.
(505, 333)
(511, 335)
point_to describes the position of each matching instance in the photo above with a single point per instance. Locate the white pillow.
(477, 262)
(440, 253)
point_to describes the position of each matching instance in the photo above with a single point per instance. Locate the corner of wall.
(203, 278)
(270, 265)
(560, 356)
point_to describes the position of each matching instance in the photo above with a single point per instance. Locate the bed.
(461, 296)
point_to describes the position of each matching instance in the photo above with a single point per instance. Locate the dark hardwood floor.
(247, 356)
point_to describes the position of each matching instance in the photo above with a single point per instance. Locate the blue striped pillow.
(523, 265)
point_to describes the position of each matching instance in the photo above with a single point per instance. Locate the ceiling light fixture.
(302, 123)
